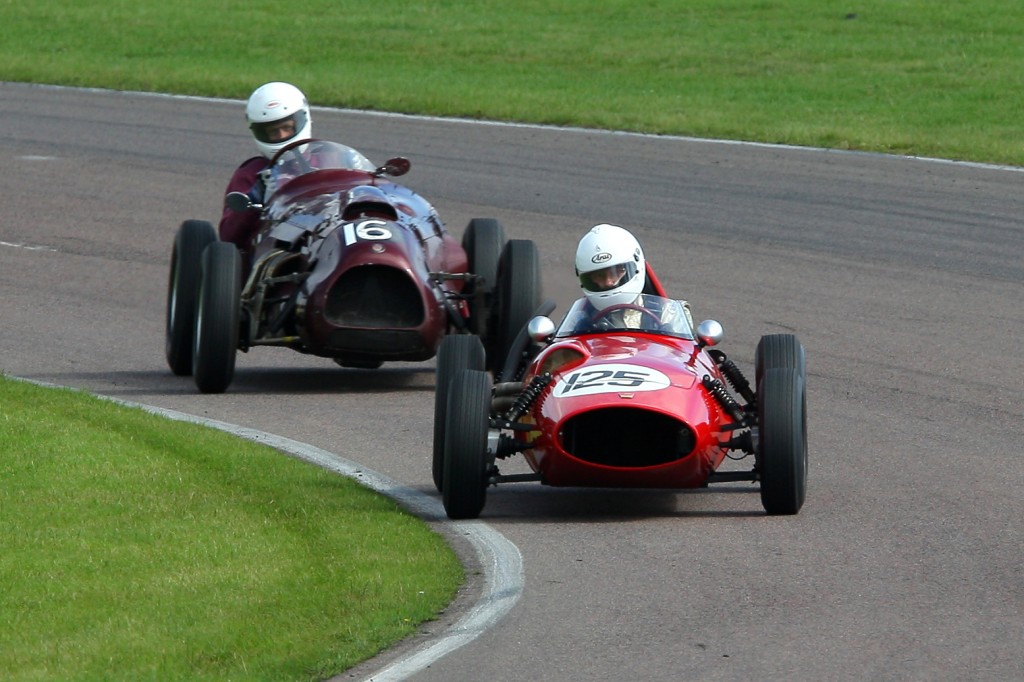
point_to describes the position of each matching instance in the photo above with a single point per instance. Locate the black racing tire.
(465, 458)
(217, 318)
(778, 350)
(782, 440)
(456, 353)
(482, 241)
(518, 296)
(183, 291)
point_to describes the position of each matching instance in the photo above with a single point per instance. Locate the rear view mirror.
(394, 167)
(540, 328)
(710, 333)
(236, 201)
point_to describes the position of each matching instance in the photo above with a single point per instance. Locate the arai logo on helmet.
(601, 258)
(273, 104)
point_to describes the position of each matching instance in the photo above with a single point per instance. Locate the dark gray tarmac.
(902, 277)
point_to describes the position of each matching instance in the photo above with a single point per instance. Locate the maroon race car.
(348, 265)
(628, 397)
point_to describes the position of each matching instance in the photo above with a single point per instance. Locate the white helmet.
(610, 265)
(277, 113)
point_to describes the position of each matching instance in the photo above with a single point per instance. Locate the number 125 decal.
(611, 378)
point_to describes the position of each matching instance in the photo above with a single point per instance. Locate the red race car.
(348, 265)
(629, 397)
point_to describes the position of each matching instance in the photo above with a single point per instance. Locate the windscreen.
(649, 314)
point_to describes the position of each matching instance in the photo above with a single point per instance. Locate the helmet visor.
(281, 130)
(608, 278)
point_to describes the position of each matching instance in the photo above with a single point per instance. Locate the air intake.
(627, 437)
(374, 296)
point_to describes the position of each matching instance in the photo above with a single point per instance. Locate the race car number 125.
(611, 378)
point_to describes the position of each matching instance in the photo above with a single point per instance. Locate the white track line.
(567, 129)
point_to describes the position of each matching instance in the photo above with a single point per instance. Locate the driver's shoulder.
(251, 167)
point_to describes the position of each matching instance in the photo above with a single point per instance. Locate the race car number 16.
(611, 378)
(370, 230)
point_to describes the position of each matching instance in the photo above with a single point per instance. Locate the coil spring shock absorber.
(507, 445)
(734, 376)
(722, 397)
(528, 397)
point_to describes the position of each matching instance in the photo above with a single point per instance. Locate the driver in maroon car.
(277, 114)
(613, 273)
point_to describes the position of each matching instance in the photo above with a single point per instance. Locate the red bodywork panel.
(628, 410)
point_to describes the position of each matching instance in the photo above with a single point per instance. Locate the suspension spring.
(734, 376)
(728, 403)
(504, 396)
(528, 396)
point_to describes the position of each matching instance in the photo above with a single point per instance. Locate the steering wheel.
(299, 156)
(602, 314)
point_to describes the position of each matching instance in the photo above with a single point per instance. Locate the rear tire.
(183, 291)
(482, 241)
(465, 455)
(456, 353)
(217, 318)
(518, 294)
(782, 436)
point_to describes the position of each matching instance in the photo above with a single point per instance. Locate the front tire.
(778, 350)
(183, 292)
(217, 318)
(465, 455)
(782, 436)
(457, 352)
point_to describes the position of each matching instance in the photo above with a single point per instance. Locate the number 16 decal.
(612, 378)
(370, 230)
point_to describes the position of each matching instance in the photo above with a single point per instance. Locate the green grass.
(903, 76)
(138, 548)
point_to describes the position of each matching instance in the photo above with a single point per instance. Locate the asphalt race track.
(902, 277)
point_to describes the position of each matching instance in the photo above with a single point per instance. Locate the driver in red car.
(278, 113)
(613, 274)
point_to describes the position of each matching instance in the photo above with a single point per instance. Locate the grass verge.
(907, 77)
(138, 548)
